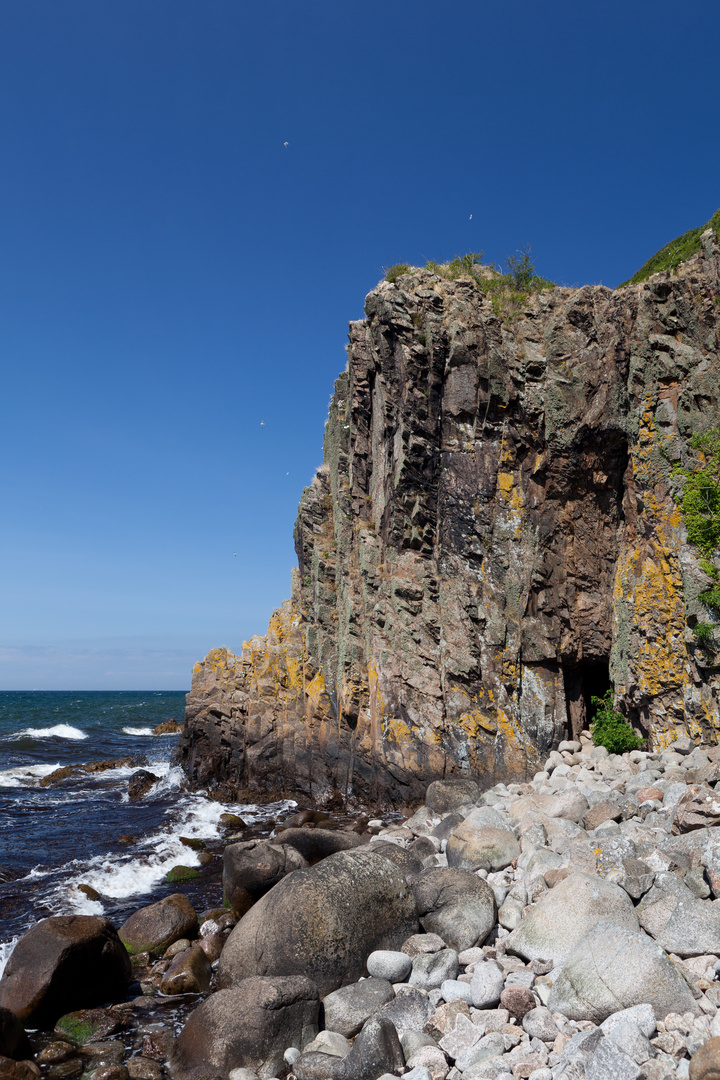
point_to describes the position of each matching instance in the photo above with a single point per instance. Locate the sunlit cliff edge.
(493, 536)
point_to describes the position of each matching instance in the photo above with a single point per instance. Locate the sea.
(83, 830)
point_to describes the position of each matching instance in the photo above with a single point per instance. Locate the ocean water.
(84, 830)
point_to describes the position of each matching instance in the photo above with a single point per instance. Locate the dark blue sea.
(77, 831)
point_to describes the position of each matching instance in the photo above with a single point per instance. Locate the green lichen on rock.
(677, 251)
(181, 873)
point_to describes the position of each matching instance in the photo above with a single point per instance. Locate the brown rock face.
(491, 539)
(64, 962)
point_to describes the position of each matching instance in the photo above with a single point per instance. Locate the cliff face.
(492, 537)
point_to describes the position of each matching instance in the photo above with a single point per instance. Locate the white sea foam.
(25, 775)
(58, 731)
(138, 731)
(118, 877)
(6, 948)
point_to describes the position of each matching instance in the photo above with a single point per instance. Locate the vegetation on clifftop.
(676, 252)
(508, 291)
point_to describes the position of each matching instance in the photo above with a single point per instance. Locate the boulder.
(248, 1026)
(457, 905)
(551, 929)
(13, 1040)
(252, 867)
(678, 920)
(613, 968)
(607, 810)
(430, 970)
(87, 1025)
(152, 928)
(409, 1010)
(483, 847)
(570, 804)
(189, 973)
(518, 1000)
(376, 1051)
(697, 808)
(316, 844)
(140, 783)
(64, 962)
(347, 1009)
(18, 1070)
(323, 922)
(406, 861)
(487, 985)
(389, 964)
(444, 795)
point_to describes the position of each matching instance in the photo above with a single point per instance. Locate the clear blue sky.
(171, 274)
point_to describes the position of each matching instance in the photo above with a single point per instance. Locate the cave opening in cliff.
(584, 681)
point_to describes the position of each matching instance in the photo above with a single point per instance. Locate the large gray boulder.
(347, 1009)
(678, 920)
(457, 905)
(251, 868)
(408, 863)
(444, 795)
(64, 963)
(481, 847)
(249, 1026)
(323, 922)
(613, 968)
(551, 929)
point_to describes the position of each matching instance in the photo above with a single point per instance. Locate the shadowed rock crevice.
(492, 535)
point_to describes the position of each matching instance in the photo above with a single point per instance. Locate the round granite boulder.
(323, 922)
(455, 904)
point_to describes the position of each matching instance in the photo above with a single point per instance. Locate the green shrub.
(610, 729)
(393, 272)
(704, 632)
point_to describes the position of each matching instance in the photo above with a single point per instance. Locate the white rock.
(487, 984)
(388, 964)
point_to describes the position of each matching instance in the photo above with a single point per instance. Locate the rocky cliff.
(493, 537)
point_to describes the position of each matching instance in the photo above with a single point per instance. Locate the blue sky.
(171, 274)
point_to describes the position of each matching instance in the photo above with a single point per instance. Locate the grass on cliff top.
(507, 291)
(676, 252)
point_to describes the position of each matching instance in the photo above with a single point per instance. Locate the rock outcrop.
(493, 537)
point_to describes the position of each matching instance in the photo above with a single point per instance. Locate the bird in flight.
(235, 554)
(262, 423)
(286, 144)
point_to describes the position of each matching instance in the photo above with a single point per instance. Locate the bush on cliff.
(676, 252)
(610, 729)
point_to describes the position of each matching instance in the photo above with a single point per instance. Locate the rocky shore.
(568, 927)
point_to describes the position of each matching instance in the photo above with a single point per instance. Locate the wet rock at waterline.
(13, 1040)
(153, 928)
(64, 963)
